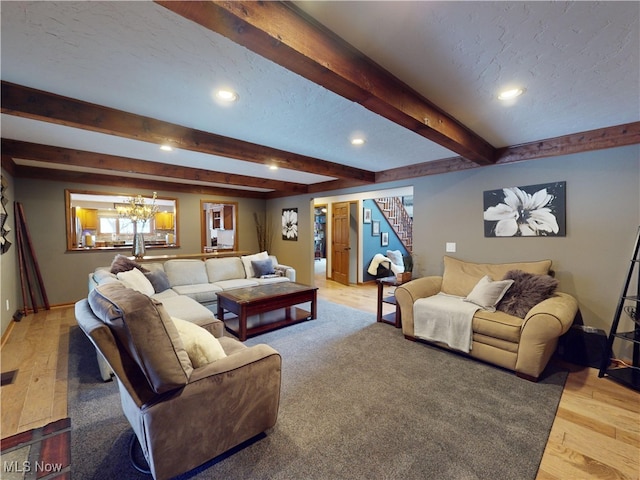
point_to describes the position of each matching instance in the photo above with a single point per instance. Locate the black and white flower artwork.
(290, 224)
(529, 211)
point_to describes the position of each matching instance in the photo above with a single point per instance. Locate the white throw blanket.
(377, 259)
(446, 319)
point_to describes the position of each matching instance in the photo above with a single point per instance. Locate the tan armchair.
(182, 416)
(523, 345)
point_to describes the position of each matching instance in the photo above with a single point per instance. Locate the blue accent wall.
(372, 245)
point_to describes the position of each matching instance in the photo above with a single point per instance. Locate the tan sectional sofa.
(187, 288)
(523, 345)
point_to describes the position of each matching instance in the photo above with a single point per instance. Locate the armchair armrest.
(539, 334)
(407, 293)
(230, 401)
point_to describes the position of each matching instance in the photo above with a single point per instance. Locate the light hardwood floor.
(595, 435)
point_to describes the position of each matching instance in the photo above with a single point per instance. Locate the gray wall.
(603, 214)
(65, 273)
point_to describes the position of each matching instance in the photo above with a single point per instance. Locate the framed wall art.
(528, 211)
(366, 216)
(290, 224)
(384, 239)
(375, 228)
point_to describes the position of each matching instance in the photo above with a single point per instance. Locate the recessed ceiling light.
(226, 95)
(358, 141)
(510, 94)
(166, 148)
(273, 167)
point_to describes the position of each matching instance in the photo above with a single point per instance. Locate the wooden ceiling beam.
(598, 139)
(137, 183)
(36, 104)
(80, 158)
(284, 34)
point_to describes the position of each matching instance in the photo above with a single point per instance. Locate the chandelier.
(137, 210)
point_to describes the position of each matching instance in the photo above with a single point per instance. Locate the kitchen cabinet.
(164, 221)
(223, 217)
(88, 218)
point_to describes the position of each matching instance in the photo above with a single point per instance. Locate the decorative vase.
(138, 245)
(138, 242)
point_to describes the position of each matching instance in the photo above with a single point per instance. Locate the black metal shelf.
(629, 375)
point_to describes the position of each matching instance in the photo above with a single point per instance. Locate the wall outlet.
(450, 247)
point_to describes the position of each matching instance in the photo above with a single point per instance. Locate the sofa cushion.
(103, 275)
(262, 268)
(527, 291)
(267, 280)
(146, 332)
(159, 280)
(227, 268)
(460, 277)
(186, 272)
(136, 280)
(247, 259)
(497, 325)
(237, 283)
(201, 346)
(202, 293)
(188, 309)
(122, 264)
(487, 294)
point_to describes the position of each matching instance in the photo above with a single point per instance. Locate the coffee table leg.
(220, 311)
(242, 324)
(314, 311)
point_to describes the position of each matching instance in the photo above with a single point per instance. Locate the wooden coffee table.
(266, 307)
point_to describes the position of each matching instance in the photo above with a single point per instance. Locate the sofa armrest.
(234, 361)
(289, 271)
(539, 334)
(407, 293)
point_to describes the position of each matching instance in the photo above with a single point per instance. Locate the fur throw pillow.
(123, 264)
(527, 291)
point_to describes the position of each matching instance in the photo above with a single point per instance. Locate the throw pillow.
(201, 346)
(247, 259)
(159, 280)
(145, 330)
(136, 280)
(527, 291)
(262, 267)
(396, 257)
(123, 264)
(486, 294)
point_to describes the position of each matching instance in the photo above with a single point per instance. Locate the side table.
(392, 318)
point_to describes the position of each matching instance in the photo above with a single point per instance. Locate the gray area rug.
(358, 402)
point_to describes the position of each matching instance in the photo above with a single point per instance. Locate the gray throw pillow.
(159, 280)
(122, 264)
(526, 292)
(262, 267)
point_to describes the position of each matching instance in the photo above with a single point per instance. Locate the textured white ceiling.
(578, 61)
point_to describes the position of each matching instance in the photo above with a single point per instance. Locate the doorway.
(320, 240)
(344, 242)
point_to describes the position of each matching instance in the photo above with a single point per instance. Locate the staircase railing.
(399, 219)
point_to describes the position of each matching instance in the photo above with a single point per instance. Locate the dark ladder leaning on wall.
(28, 263)
(629, 303)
